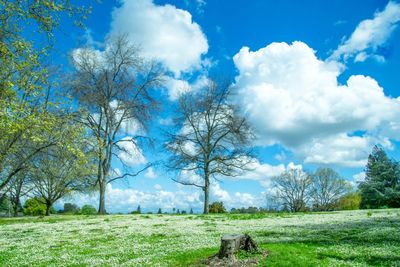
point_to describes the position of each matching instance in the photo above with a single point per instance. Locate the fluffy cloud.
(164, 32)
(369, 35)
(294, 99)
(129, 153)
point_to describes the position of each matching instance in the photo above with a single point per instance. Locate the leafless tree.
(293, 189)
(210, 138)
(327, 188)
(113, 86)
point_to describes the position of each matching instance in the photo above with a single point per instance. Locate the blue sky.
(317, 79)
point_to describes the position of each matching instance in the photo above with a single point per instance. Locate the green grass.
(354, 238)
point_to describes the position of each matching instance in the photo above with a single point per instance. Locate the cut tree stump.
(233, 243)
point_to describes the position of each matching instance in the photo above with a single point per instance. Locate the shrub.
(350, 201)
(217, 207)
(71, 208)
(88, 210)
(34, 207)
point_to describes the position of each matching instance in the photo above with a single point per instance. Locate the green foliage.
(382, 182)
(217, 207)
(88, 210)
(35, 207)
(350, 201)
(159, 211)
(137, 211)
(5, 204)
(71, 208)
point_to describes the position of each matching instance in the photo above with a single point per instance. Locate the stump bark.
(233, 243)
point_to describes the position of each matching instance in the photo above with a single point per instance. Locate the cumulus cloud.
(150, 173)
(294, 99)
(370, 35)
(165, 33)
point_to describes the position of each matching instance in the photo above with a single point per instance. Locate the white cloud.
(369, 35)
(150, 173)
(178, 87)
(294, 99)
(157, 187)
(130, 153)
(164, 32)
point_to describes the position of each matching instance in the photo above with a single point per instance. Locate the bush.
(71, 208)
(88, 210)
(34, 207)
(217, 207)
(350, 201)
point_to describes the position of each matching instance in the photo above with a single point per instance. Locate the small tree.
(71, 208)
(191, 211)
(217, 207)
(327, 187)
(293, 189)
(211, 138)
(350, 201)
(159, 211)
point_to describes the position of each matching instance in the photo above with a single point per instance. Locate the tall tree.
(113, 86)
(24, 79)
(19, 187)
(293, 189)
(210, 140)
(327, 187)
(382, 181)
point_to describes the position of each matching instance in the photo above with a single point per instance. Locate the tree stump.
(233, 243)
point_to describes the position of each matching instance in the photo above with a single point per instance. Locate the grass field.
(348, 238)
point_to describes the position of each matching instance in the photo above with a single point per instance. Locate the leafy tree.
(71, 208)
(293, 189)
(350, 201)
(88, 210)
(327, 187)
(210, 139)
(63, 169)
(382, 181)
(24, 80)
(217, 207)
(113, 88)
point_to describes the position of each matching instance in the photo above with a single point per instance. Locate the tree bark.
(48, 207)
(102, 202)
(231, 244)
(206, 196)
(16, 205)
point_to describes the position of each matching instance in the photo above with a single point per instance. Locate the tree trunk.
(231, 244)
(48, 207)
(206, 196)
(102, 202)
(16, 205)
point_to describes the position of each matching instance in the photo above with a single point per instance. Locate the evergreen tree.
(381, 187)
(159, 211)
(138, 210)
(191, 210)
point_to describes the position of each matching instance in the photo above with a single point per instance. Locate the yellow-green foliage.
(350, 201)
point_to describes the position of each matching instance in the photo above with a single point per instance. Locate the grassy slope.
(358, 238)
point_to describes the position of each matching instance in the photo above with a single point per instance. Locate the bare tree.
(327, 188)
(210, 139)
(113, 87)
(293, 189)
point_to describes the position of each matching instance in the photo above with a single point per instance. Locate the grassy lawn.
(349, 238)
